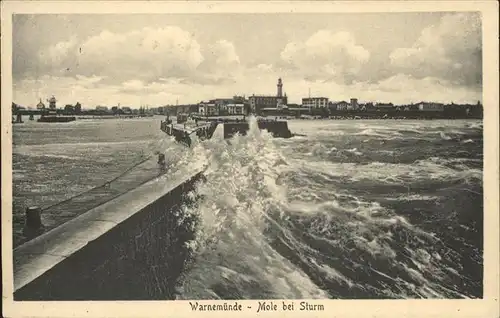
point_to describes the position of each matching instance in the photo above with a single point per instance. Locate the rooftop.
(273, 96)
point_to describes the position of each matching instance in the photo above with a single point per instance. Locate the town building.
(78, 108)
(69, 109)
(207, 109)
(384, 106)
(221, 102)
(433, 107)
(366, 106)
(259, 102)
(174, 110)
(315, 102)
(235, 109)
(222, 106)
(193, 108)
(342, 105)
(126, 110)
(354, 103)
(101, 108)
(239, 99)
(40, 105)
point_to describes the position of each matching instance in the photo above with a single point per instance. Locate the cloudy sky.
(158, 59)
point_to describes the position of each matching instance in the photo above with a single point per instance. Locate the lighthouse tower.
(280, 100)
(280, 88)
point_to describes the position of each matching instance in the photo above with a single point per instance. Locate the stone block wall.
(141, 258)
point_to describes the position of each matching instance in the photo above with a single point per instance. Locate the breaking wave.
(279, 223)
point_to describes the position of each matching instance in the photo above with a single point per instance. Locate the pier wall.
(230, 129)
(122, 253)
(276, 128)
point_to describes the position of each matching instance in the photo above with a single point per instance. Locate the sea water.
(353, 209)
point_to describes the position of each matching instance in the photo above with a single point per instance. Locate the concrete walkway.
(35, 257)
(84, 202)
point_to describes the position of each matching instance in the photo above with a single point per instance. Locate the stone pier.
(130, 248)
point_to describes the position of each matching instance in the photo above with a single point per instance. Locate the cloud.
(59, 52)
(326, 56)
(223, 53)
(132, 86)
(451, 50)
(147, 54)
(89, 82)
(264, 67)
(403, 88)
(132, 60)
(221, 65)
(68, 90)
(157, 66)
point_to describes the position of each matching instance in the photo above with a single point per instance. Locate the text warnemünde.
(216, 307)
(262, 306)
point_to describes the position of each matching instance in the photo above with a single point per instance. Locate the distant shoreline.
(389, 118)
(306, 117)
(88, 117)
(302, 118)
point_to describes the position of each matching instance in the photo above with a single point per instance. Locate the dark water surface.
(55, 161)
(355, 209)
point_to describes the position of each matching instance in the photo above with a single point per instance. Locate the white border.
(487, 307)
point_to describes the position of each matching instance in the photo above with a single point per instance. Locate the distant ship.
(50, 115)
(56, 119)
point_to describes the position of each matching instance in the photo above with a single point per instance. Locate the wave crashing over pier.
(362, 210)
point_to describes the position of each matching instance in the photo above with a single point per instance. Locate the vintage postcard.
(193, 159)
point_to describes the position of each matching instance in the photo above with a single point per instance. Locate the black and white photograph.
(210, 158)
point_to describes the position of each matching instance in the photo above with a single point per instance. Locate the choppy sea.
(353, 209)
